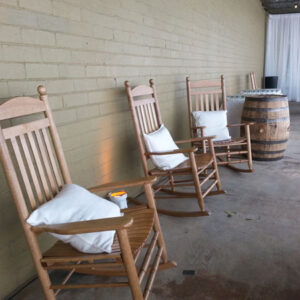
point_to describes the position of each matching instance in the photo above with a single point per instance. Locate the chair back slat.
(144, 101)
(217, 102)
(141, 90)
(195, 93)
(28, 159)
(205, 83)
(205, 95)
(21, 106)
(145, 112)
(212, 103)
(201, 103)
(46, 161)
(152, 123)
(149, 113)
(24, 174)
(53, 162)
(139, 118)
(37, 157)
(154, 120)
(21, 129)
(197, 101)
(145, 125)
(147, 116)
(31, 152)
(206, 102)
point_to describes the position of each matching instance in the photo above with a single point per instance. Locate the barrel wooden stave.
(270, 133)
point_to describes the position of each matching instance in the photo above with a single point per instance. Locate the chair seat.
(138, 234)
(233, 140)
(202, 161)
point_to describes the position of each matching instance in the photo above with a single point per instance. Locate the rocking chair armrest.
(122, 184)
(241, 124)
(198, 127)
(188, 150)
(86, 226)
(197, 139)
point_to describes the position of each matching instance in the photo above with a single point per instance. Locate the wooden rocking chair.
(253, 81)
(36, 170)
(144, 106)
(210, 95)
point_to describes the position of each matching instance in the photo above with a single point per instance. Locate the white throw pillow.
(162, 141)
(73, 204)
(215, 123)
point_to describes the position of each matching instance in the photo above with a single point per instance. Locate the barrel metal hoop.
(268, 159)
(269, 142)
(269, 99)
(263, 120)
(267, 152)
(266, 109)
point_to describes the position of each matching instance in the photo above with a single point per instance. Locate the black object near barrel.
(270, 133)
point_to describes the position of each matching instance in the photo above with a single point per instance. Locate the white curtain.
(283, 53)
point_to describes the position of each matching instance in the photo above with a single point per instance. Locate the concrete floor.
(249, 256)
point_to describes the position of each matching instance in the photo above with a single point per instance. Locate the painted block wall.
(84, 50)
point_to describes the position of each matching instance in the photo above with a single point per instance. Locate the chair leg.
(172, 182)
(197, 181)
(157, 227)
(203, 142)
(45, 282)
(228, 151)
(249, 154)
(215, 165)
(129, 264)
(42, 273)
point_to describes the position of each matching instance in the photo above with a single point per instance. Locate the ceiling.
(281, 6)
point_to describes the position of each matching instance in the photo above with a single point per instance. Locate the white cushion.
(162, 141)
(215, 123)
(73, 204)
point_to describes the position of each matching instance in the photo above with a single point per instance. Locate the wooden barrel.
(269, 135)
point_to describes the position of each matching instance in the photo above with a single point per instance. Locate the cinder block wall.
(83, 50)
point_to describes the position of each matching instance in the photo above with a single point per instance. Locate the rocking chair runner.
(36, 170)
(210, 95)
(146, 116)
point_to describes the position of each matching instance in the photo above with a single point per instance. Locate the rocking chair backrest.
(31, 152)
(205, 95)
(145, 113)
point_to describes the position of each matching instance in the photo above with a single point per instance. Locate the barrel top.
(266, 98)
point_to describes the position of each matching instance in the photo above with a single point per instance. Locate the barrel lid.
(271, 97)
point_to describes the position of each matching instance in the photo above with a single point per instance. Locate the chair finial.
(127, 84)
(151, 81)
(42, 90)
